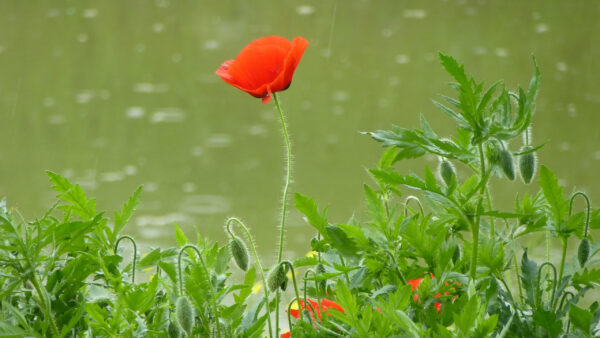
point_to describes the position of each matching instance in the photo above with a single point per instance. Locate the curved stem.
(257, 260)
(134, 253)
(291, 266)
(288, 175)
(289, 309)
(407, 201)
(587, 209)
(317, 288)
(210, 286)
(538, 289)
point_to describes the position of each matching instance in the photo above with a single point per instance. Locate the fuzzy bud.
(507, 165)
(447, 172)
(276, 278)
(583, 252)
(239, 252)
(174, 330)
(527, 164)
(185, 314)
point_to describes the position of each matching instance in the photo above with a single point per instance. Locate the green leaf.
(309, 208)
(553, 194)
(581, 319)
(122, 218)
(340, 240)
(180, 236)
(529, 277)
(74, 195)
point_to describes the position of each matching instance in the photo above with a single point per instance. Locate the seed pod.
(447, 172)
(320, 268)
(174, 330)
(527, 163)
(506, 163)
(185, 314)
(239, 252)
(276, 277)
(583, 252)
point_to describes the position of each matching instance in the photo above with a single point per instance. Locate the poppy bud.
(174, 330)
(239, 252)
(185, 314)
(506, 163)
(447, 171)
(527, 165)
(492, 153)
(276, 277)
(322, 283)
(583, 252)
(456, 254)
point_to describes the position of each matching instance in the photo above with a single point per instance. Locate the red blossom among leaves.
(264, 66)
(286, 335)
(325, 305)
(414, 285)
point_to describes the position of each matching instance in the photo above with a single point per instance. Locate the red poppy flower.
(265, 66)
(286, 335)
(325, 305)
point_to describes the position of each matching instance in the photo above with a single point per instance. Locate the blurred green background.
(114, 94)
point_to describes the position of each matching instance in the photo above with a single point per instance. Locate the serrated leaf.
(553, 194)
(122, 218)
(73, 194)
(308, 207)
(581, 319)
(180, 236)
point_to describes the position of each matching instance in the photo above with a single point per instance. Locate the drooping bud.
(583, 252)
(185, 314)
(447, 172)
(507, 165)
(276, 277)
(527, 164)
(239, 252)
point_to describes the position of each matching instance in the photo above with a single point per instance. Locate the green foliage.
(439, 263)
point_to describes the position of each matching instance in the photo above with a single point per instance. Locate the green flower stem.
(210, 286)
(291, 266)
(260, 269)
(46, 303)
(562, 258)
(538, 292)
(134, 253)
(306, 302)
(517, 273)
(407, 202)
(288, 175)
(475, 225)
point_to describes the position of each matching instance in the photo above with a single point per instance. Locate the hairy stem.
(562, 259)
(288, 175)
(475, 225)
(134, 253)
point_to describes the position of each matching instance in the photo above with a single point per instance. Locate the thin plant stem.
(291, 266)
(134, 253)
(517, 274)
(400, 275)
(210, 286)
(475, 225)
(288, 176)
(562, 258)
(260, 269)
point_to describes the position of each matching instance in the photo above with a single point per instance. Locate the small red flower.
(414, 284)
(325, 305)
(287, 334)
(265, 66)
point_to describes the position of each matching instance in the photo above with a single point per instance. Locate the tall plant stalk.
(288, 176)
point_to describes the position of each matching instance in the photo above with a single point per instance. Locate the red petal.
(438, 306)
(327, 304)
(286, 335)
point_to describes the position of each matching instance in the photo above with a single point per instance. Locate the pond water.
(114, 94)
